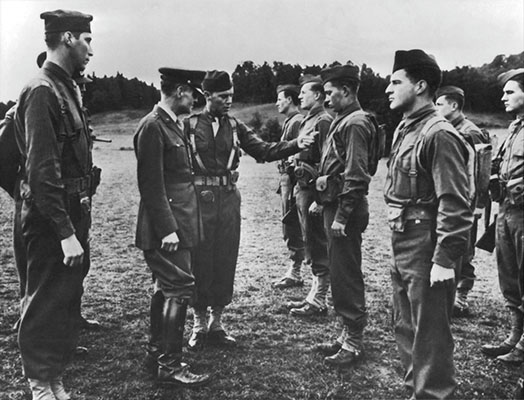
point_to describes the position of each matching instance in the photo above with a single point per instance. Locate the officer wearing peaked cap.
(508, 191)
(427, 193)
(56, 188)
(288, 104)
(345, 161)
(168, 226)
(450, 103)
(217, 139)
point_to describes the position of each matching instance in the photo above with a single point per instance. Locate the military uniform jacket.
(351, 135)
(168, 201)
(54, 141)
(215, 151)
(290, 130)
(469, 130)
(512, 163)
(316, 120)
(442, 182)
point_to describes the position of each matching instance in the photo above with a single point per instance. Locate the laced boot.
(197, 341)
(57, 386)
(495, 350)
(171, 369)
(351, 350)
(316, 299)
(292, 278)
(331, 348)
(216, 333)
(41, 390)
(153, 347)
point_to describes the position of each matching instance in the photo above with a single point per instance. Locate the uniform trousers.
(215, 258)
(313, 234)
(421, 314)
(510, 253)
(172, 272)
(49, 324)
(290, 230)
(466, 276)
(345, 265)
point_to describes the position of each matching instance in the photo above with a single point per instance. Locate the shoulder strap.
(345, 120)
(236, 143)
(193, 122)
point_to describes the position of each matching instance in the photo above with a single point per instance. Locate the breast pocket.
(176, 157)
(71, 125)
(401, 181)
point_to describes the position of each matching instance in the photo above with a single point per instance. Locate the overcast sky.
(136, 37)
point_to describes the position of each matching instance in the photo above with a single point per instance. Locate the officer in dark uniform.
(316, 123)
(345, 160)
(450, 103)
(288, 104)
(508, 190)
(168, 226)
(217, 139)
(428, 194)
(56, 190)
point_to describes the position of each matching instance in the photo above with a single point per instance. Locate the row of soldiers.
(189, 214)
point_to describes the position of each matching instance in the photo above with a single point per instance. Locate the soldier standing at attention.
(345, 164)
(508, 191)
(168, 226)
(428, 195)
(316, 123)
(450, 103)
(56, 188)
(217, 139)
(287, 104)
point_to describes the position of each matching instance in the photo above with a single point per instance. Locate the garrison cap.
(308, 78)
(217, 81)
(41, 59)
(291, 88)
(449, 90)
(64, 20)
(188, 77)
(348, 72)
(414, 58)
(509, 75)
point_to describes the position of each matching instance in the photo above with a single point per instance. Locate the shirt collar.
(294, 113)
(59, 72)
(420, 114)
(316, 109)
(352, 108)
(457, 121)
(167, 110)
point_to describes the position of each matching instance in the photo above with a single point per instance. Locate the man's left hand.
(338, 229)
(441, 274)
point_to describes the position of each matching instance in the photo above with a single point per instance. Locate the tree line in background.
(257, 84)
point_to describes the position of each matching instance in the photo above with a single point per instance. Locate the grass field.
(273, 359)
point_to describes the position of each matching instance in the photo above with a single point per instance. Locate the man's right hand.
(73, 251)
(306, 140)
(170, 242)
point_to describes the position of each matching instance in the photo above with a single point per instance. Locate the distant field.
(274, 360)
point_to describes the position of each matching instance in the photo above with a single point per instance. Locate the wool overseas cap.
(188, 77)
(509, 75)
(449, 90)
(341, 72)
(414, 58)
(217, 81)
(290, 88)
(64, 20)
(308, 78)
(40, 59)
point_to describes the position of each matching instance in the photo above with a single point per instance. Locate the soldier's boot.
(316, 299)
(331, 348)
(495, 350)
(41, 390)
(153, 347)
(515, 356)
(461, 306)
(57, 386)
(309, 297)
(197, 340)
(171, 369)
(292, 278)
(216, 334)
(351, 350)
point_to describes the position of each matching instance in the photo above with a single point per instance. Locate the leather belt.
(222, 180)
(77, 185)
(419, 212)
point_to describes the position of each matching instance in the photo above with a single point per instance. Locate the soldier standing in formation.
(316, 123)
(428, 195)
(288, 104)
(217, 139)
(168, 226)
(56, 189)
(508, 190)
(450, 103)
(345, 164)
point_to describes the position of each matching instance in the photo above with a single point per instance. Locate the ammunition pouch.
(327, 189)
(286, 168)
(496, 190)
(305, 174)
(514, 189)
(398, 215)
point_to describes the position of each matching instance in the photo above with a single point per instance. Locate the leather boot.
(155, 329)
(332, 348)
(171, 369)
(495, 350)
(41, 390)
